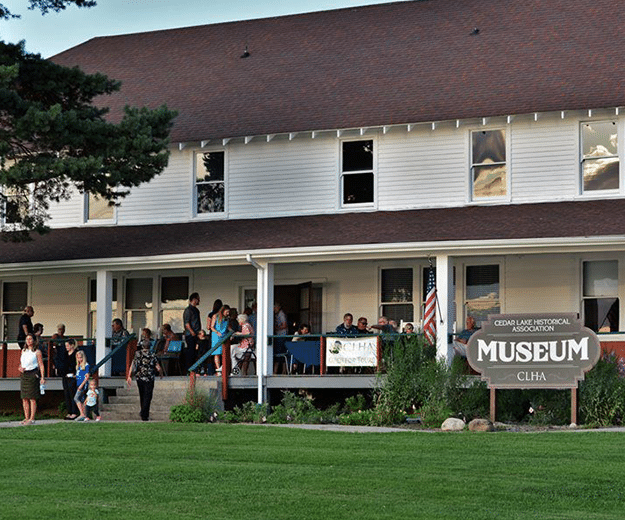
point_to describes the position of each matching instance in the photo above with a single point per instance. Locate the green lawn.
(221, 471)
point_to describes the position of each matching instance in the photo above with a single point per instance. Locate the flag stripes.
(429, 315)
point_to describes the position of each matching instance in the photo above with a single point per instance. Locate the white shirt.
(28, 359)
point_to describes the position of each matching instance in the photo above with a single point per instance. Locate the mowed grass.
(174, 471)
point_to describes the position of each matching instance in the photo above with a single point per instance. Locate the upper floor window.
(210, 187)
(600, 163)
(357, 180)
(14, 205)
(97, 208)
(489, 170)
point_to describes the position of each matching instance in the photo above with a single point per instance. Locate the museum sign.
(533, 350)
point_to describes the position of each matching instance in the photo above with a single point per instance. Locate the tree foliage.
(45, 6)
(54, 140)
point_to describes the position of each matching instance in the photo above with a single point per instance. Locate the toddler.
(91, 403)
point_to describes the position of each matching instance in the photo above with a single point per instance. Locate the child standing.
(82, 376)
(203, 346)
(91, 402)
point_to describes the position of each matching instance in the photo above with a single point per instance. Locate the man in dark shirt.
(347, 328)
(192, 325)
(25, 325)
(361, 327)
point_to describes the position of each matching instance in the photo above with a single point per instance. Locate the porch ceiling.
(472, 226)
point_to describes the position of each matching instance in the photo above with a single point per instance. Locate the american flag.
(429, 316)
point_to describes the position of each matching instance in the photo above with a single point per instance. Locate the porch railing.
(129, 343)
(9, 358)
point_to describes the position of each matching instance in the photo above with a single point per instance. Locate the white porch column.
(264, 324)
(444, 292)
(104, 316)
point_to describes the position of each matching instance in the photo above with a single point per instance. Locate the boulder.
(453, 424)
(481, 425)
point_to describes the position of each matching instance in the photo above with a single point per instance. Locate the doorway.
(302, 303)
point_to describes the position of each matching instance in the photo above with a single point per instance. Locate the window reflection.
(488, 161)
(210, 185)
(600, 164)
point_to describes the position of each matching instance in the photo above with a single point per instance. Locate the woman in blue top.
(219, 326)
(82, 378)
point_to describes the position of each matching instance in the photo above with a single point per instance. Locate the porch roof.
(388, 64)
(479, 224)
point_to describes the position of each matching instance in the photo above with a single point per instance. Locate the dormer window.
(600, 162)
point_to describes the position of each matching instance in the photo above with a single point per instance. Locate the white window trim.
(469, 177)
(366, 205)
(96, 222)
(194, 212)
(620, 134)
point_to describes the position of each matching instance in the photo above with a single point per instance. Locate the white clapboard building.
(324, 160)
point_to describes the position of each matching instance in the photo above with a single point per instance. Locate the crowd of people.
(384, 325)
(80, 390)
(221, 320)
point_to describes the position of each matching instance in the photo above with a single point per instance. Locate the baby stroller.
(241, 358)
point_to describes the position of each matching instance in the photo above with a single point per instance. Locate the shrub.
(354, 403)
(412, 374)
(184, 413)
(358, 418)
(296, 409)
(249, 412)
(602, 393)
(198, 406)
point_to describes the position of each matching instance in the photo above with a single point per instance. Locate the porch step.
(125, 406)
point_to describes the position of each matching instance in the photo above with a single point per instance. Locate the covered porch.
(557, 257)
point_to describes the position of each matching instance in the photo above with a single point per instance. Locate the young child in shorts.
(91, 402)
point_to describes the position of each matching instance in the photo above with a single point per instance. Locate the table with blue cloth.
(305, 352)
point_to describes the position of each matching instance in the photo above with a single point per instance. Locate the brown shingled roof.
(597, 218)
(386, 64)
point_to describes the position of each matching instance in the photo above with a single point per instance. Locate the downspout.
(250, 260)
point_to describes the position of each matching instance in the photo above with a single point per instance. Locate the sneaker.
(98, 419)
(87, 419)
(79, 418)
